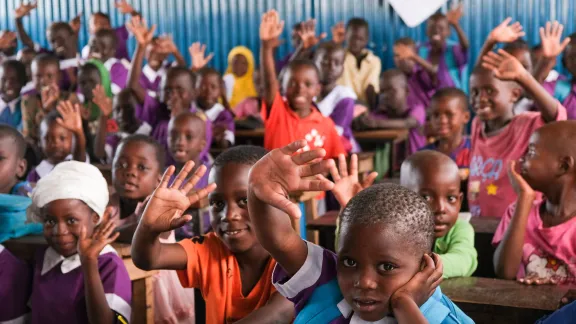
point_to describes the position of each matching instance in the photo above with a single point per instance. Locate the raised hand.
(518, 182)
(165, 210)
(550, 38)
(76, 23)
(347, 184)
(284, 170)
(455, 14)
(404, 52)
(505, 33)
(25, 9)
(424, 283)
(138, 27)
(71, 116)
(165, 45)
(307, 34)
(7, 39)
(102, 100)
(49, 96)
(197, 53)
(503, 65)
(89, 248)
(338, 33)
(271, 27)
(124, 7)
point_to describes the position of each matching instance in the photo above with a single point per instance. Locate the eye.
(386, 267)
(142, 167)
(348, 263)
(452, 199)
(216, 205)
(243, 202)
(489, 91)
(426, 197)
(49, 222)
(189, 137)
(474, 92)
(71, 221)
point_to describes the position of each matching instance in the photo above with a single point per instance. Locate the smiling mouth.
(179, 154)
(96, 55)
(436, 37)
(299, 100)
(365, 305)
(59, 49)
(233, 233)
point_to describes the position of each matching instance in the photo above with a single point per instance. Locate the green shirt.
(456, 249)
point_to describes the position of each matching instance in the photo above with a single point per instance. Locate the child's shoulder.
(440, 309)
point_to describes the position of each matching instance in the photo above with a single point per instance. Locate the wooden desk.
(484, 228)
(325, 226)
(310, 212)
(250, 136)
(142, 281)
(503, 301)
(372, 140)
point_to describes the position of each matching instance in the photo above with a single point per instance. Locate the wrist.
(399, 300)
(526, 197)
(523, 77)
(88, 262)
(269, 44)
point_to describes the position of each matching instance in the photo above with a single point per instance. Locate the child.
(395, 111)
(103, 45)
(62, 139)
(157, 53)
(26, 56)
(250, 107)
(383, 266)
(422, 75)
(294, 117)
(79, 277)
(498, 136)
(535, 238)
(210, 90)
(15, 290)
(336, 101)
(295, 42)
(12, 162)
(434, 176)
(12, 79)
(537, 56)
(449, 116)
(229, 266)
(361, 67)
(239, 77)
(450, 59)
(8, 45)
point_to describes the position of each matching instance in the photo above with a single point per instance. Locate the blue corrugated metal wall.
(222, 24)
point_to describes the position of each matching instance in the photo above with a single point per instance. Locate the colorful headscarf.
(243, 86)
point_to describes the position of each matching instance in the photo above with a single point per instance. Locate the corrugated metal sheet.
(222, 24)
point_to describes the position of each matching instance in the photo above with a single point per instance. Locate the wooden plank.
(143, 301)
(324, 222)
(487, 225)
(124, 250)
(106, 171)
(136, 273)
(395, 135)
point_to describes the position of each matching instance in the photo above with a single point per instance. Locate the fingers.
(209, 57)
(354, 165)
(505, 22)
(284, 204)
(182, 175)
(335, 174)
(308, 156)
(200, 171)
(178, 221)
(548, 29)
(309, 170)
(166, 177)
(293, 147)
(198, 195)
(343, 168)
(369, 180)
(82, 233)
(113, 238)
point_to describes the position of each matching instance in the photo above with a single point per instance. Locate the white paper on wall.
(414, 12)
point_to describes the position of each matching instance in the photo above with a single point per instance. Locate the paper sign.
(414, 12)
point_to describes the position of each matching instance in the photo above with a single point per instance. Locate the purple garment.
(339, 106)
(122, 43)
(222, 117)
(569, 103)
(33, 176)
(60, 297)
(283, 62)
(444, 79)
(416, 138)
(419, 86)
(15, 286)
(150, 79)
(118, 76)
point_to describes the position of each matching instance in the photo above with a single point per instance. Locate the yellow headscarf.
(244, 85)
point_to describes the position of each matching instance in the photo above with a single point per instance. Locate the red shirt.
(283, 126)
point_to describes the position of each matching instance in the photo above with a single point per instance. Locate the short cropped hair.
(299, 63)
(328, 47)
(9, 131)
(141, 138)
(62, 25)
(405, 41)
(177, 70)
(451, 92)
(357, 22)
(102, 15)
(20, 69)
(394, 206)
(242, 154)
(108, 34)
(47, 58)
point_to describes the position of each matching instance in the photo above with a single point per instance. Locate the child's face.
(393, 94)
(357, 39)
(523, 55)
(87, 81)
(229, 207)
(11, 166)
(491, 98)
(539, 164)
(570, 58)
(101, 48)
(448, 117)
(98, 22)
(154, 58)
(186, 139)
(12, 47)
(405, 65)
(302, 87)
(209, 90)
(63, 220)
(239, 65)
(61, 41)
(10, 84)
(177, 85)
(437, 31)
(136, 171)
(57, 143)
(44, 75)
(372, 265)
(330, 64)
(124, 111)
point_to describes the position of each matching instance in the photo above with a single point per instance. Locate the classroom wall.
(222, 24)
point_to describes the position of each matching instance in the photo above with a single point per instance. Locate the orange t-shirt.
(283, 126)
(213, 269)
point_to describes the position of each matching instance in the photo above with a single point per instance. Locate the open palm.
(89, 247)
(197, 53)
(165, 209)
(138, 27)
(102, 100)
(25, 9)
(71, 116)
(347, 184)
(518, 182)
(505, 33)
(271, 26)
(308, 34)
(503, 65)
(550, 38)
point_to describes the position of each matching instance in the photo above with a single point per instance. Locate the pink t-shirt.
(489, 189)
(547, 251)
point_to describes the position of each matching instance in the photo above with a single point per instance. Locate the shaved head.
(424, 165)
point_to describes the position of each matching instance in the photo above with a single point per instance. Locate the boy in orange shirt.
(295, 117)
(229, 266)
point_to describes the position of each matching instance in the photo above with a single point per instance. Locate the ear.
(567, 164)
(466, 117)
(317, 89)
(515, 94)
(95, 219)
(203, 143)
(21, 168)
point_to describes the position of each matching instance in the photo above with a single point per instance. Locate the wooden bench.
(142, 287)
(484, 228)
(497, 301)
(325, 227)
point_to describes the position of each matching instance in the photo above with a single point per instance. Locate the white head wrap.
(70, 180)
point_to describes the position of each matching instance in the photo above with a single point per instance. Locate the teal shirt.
(456, 249)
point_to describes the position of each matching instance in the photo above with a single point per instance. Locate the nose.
(60, 229)
(231, 213)
(438, 206)
(365, 278)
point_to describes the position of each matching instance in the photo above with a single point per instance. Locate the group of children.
(155, 123)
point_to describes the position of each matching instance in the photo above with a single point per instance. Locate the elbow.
(502, 270)
(140, 261)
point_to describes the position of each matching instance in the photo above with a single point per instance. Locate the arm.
(503, 33)
(551, 48)
(105, 105)
(430, 68)
(21, 12)
(143, 37)
(270, 29)
(72, 121)
(407, 311)
(277, 310)
(461, 259)
(165, 212)
(270, 181)
(373, 83)
(199, 61)
(508, 254)
(453, 16)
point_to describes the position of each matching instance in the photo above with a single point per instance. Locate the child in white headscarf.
(78, 278)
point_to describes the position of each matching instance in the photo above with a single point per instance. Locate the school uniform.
(460, 155)
(339, 106)
(420, 88)
(150, 79)
(317, 297)
(118, 73)
(113, 140)
(565, 92)
(68, 71)
(45, 167)
(452, 67)
(58, 294)
(15, 288)
(11, 113)
(122, 36)
(28, 89)
(360, 76)
(456, 250)
(222, 117)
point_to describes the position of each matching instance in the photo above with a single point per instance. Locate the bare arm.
(407, 311)
(148, 253)
(23, 35)
(143, 37)
(278, 310)
(453, 16)
(96, 304)
(551, 48)
(270, 29)
(503, 33)
(100, 139)
(462, 38)
(430, 68)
